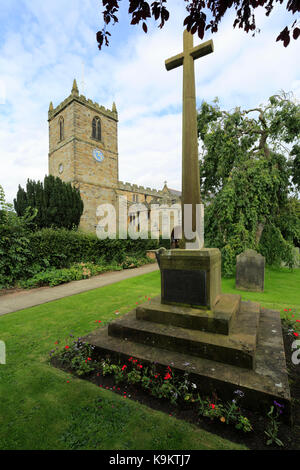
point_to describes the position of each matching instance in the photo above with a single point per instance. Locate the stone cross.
(190, 163)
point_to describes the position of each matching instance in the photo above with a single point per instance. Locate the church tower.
(83, 150)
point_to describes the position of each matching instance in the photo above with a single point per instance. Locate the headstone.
(250, 271)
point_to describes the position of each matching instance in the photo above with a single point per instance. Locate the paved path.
(29, 298)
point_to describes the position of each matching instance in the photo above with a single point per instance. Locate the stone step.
(238, 348)
(217, 321)
(261, 386)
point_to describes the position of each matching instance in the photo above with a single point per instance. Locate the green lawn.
(281, 290)
(39, 409)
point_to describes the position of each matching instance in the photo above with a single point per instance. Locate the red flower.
(213, 406)
(124, 367)
(285, 309)
(168, 376)
(296, 334)
(130, 359)
(67, 347)
(56, 342)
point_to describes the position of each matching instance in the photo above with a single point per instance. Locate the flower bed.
(180, 397)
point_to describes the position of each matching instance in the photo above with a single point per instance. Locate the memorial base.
(191, 277)
(236, 346)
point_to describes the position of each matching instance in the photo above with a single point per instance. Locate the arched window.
(96, 128)
(61, 128)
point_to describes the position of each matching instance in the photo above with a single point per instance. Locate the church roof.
(174, 192)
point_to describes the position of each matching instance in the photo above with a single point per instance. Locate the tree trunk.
(259, 230)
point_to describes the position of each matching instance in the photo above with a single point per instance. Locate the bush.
(61, 248)
(48, 256)
(58, 204)
(14, 244)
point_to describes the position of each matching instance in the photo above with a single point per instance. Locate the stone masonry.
(71, 158)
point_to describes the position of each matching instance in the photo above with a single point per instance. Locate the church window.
(61, 129)
(96, 128)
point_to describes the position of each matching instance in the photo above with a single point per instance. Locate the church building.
(83, 150)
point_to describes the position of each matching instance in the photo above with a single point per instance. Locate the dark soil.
(254, 440)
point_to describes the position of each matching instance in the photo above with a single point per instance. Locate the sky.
(44, 45)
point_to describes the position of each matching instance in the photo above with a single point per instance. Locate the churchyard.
(186, 357)
(45, 407)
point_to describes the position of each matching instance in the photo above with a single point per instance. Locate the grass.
(281, 289)
(39, 409)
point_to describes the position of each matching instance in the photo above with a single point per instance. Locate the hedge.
(61, 247)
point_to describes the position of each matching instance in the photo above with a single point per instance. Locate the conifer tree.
(59, 204)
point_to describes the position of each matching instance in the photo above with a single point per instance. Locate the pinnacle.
(75, 90)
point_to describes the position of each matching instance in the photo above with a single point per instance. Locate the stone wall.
(72, 158)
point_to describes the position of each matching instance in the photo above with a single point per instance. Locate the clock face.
(98, 155)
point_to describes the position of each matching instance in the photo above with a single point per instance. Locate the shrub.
(58, 204)
(61, 248)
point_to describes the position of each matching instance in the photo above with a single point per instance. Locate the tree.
(58, 204)
(246, 178)
(197, 20)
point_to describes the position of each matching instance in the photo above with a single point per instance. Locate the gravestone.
(250, 271)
